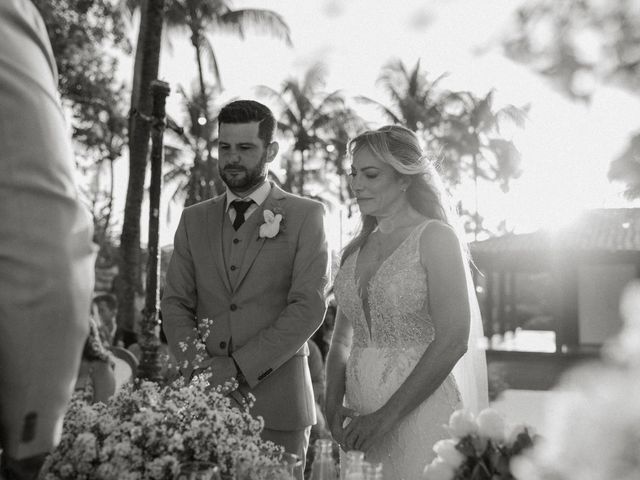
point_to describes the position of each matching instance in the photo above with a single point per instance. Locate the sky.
(566, 146)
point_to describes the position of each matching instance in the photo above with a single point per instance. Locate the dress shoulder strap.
(422, 227)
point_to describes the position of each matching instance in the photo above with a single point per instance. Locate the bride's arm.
(448, 306)
(336, 370)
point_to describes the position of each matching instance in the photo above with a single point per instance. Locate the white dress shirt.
(259, 195)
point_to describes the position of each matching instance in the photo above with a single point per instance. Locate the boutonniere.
(271, 225)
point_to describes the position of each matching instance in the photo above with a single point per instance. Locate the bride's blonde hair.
(399, 148)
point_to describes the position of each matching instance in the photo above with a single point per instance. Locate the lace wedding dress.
(383, 355)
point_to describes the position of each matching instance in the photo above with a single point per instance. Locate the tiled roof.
(604, 230)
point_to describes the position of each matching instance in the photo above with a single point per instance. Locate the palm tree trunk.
(195, 40)
(107, 220)
(137, 64)
(289, 174)
(301, 179)
(151, 21)
(476, 220)
(149, 339)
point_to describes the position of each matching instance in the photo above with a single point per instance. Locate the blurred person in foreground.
(46, 258)
(402, 358)
(248, 276)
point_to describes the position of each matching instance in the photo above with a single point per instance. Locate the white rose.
(491, 424)
(462, 423)
(447, 451)
(438, 470)
(271, 227)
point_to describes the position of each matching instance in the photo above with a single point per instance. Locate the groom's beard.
(244, 179)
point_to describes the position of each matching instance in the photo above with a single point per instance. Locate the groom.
(253, 262)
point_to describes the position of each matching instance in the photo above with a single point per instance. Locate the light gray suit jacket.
(265, 319)
(46, 259)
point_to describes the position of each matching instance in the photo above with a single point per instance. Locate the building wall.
(599, 290)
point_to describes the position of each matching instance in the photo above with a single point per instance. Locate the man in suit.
(46, 258)
(256, 272)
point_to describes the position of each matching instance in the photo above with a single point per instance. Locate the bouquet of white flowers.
(480, 448)
(147, 430)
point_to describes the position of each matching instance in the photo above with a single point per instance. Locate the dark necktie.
(240, 206)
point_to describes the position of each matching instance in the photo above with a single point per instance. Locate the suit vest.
(235, 243)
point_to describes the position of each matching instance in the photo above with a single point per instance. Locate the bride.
(404, 351)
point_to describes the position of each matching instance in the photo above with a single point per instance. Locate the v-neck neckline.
(364, 300)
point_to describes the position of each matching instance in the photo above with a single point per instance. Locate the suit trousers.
(293, 441)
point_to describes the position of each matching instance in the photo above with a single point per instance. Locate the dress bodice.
(396, 296)
(384, 355)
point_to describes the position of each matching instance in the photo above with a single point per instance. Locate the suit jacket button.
(235, 240)
(223, 344)
(233, 267)
(233, 307)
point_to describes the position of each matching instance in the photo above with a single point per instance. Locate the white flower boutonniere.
(271, 225)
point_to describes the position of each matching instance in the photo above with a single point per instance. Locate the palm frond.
(314, 78)
(334, 100)
(385, 110)
(211, 60)
(516, 115)
(258, 20)
(414, 80)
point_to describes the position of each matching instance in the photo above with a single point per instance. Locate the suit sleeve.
(304, 312)
(179, 302)
(46, 257)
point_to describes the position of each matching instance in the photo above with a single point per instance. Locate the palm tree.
(197, 17)
(201, 180)
(471, 132)
(417, 103)
(146, 68)
(463, 130)
(308, 116)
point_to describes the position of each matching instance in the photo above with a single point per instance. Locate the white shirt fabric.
(259, 195)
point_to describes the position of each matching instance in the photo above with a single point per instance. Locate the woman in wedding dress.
(404, 353)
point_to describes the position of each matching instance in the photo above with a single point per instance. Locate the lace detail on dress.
(396, 293)
(383, 357)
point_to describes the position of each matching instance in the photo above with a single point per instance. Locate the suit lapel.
(274, 201)
(215, 217)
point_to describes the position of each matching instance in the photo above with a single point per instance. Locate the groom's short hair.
(247, 111)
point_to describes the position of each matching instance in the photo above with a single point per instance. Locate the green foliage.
(416, 102)
(626, 168)
(490, 460)
(193, 166)
(196, 18)
(579, 44)
(318, 123)
(462, 129)
(469, 138)
(85, 36)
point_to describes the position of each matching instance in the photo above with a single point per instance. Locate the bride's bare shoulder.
(439, 242)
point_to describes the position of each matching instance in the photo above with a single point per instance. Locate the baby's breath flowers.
(147, 430)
